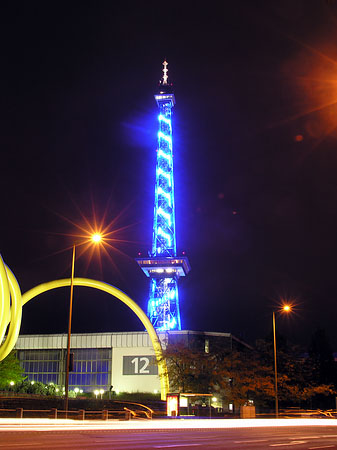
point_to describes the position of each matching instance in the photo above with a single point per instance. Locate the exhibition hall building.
(118, 362)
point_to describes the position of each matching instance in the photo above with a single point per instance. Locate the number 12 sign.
(140, 365)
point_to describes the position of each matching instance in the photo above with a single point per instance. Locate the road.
(105, 436)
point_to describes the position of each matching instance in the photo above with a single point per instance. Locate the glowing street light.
(96, 238)
(285, 308)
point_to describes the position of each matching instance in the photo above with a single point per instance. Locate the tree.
(240, 376)
(236, 376)
(296, 381)
(10, 370)
(321, 369)
(321, 360)
(189, 370)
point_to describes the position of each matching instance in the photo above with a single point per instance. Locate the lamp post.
(285, 308)
(96, 238)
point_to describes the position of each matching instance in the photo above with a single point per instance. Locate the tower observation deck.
(163, 266)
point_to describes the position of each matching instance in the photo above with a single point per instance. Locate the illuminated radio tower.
(163, 266)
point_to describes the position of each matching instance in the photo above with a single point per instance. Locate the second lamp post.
(285, 308)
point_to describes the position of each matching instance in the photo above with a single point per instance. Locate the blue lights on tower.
(163, 265)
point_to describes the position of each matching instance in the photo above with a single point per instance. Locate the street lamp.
(96, 238)
(286, 309)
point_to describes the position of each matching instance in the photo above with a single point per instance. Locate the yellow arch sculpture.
(11, 313)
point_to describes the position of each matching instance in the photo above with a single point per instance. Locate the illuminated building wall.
(124, 360)
(163, 266)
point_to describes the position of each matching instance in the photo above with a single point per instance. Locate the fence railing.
(81, 414)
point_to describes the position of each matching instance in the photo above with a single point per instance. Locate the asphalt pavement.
(155, 435)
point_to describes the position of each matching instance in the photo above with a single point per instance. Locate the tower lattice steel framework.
(163, 265)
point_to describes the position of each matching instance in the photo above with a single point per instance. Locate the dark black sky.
(255, 147)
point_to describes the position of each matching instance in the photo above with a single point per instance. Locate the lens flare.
(97, 237)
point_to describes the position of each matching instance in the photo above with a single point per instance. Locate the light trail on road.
(156, 424)
(230, 434)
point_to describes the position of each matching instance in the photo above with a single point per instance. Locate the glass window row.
(97, 379)
(40, 366)
(39, 355)
(45, 378)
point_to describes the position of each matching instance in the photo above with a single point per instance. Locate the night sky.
(255, 158)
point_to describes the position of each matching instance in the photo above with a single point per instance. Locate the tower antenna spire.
(165, 70)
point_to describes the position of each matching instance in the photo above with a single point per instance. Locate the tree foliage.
(10, 370)
(36, 388)
(189, 369)
(241, 376)
(297, 382)
(321, 360)
(236, 376)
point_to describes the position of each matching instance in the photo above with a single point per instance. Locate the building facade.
(120, 362)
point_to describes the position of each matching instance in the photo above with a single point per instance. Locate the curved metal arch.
(100, 285)
(10, 311)
(11, 302)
